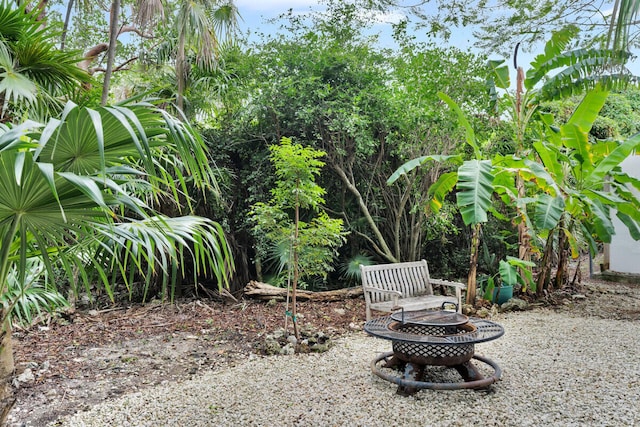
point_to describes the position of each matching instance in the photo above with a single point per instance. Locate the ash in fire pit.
(433, 338)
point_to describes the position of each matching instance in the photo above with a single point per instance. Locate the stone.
(515, 304)
(26, 376)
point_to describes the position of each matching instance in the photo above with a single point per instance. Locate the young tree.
(313, 238)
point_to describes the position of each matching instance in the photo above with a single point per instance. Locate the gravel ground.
(558, 370)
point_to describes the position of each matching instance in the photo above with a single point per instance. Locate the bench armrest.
(441, 282)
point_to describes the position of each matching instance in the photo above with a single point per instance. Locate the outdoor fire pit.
(433, 338)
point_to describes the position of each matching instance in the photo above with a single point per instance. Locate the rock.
(26, 376)
(287, 350)
(515, 304)
(292, 340)
(579, 296)
(340, 311)
(468, 309)
(320, 348)
(355, 326)
(483, 313)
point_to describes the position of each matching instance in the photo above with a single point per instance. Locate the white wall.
(624, 252)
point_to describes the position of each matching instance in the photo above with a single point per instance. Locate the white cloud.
(273, 5)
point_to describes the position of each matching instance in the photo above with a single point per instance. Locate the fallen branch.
(264, 291)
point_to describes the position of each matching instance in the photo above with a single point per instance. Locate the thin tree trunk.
(294, 287)
(180, 72)
(7, 399)
(111, 53)
(473, 264)
(65, 27)
(384, 250)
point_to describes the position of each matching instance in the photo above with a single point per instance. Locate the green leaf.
(508, 273)
(612, 160)
(548, 211)
(439, 189)
(632, 225)
(470, 135)
(475, 189)
(589, 108)
(577, 140)
(419, 161)
(499, 73)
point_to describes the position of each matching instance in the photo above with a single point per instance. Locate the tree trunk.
(545, 272)
(382, 248)
(473, 264)
(180, 71)
(294, 287)
(563, 258)
(65, 26)
(6, 368)
(111, 53)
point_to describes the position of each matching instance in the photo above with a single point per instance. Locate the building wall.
(624, 255)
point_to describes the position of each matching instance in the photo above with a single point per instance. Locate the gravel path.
(557, 371)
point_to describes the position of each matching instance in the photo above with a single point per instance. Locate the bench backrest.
(409, 278)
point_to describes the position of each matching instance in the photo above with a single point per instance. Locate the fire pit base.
(409, 383)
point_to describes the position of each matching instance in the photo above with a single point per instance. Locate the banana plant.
(473, 181)
(581, 185)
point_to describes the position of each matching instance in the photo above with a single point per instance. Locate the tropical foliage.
(35, 78)
(69, 199)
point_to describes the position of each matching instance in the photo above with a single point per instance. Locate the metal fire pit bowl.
(433, 338)
(432, 354)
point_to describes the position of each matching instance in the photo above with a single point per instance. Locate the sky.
(255, 13)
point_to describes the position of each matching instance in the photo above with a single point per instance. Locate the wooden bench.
(404, 285)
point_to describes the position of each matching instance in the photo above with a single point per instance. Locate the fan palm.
(68, 200)
(34, 75)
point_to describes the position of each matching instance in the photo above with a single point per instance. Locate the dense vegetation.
(148, 150)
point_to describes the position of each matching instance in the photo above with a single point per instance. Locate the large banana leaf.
(577, 141)
(548, 211)
(631, 224)
(475, 188)
(508, 273)
(589, 108)
(612, 160)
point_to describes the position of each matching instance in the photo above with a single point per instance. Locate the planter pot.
(502, 294)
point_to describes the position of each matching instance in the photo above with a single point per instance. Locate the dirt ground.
(85, 358)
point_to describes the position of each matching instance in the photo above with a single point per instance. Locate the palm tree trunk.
(65, 26)
(7, 399)
(111, 53)
(180, 72)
